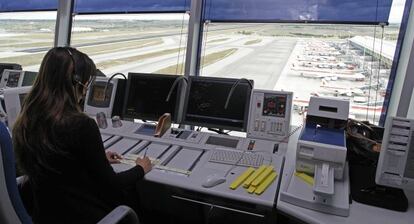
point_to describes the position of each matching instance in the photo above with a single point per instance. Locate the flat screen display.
(29, 78)
(98, 96)
(146, 96)
(206, 98)
(274, 105)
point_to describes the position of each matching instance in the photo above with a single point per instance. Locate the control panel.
(269, 114)
(105, 97)
(182, 135)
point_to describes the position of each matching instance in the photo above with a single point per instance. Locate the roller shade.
(27, 5)
(317, 11)
(129, 6)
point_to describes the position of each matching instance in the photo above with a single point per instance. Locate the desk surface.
(203, 167)
(359, 213)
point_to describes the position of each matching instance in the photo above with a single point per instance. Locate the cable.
(292, 132)
(173, 86)
(234, 87)
(370, 75)
(206, 24)
(179, 45)
(378, 73)
(235, 164)
(109, 80)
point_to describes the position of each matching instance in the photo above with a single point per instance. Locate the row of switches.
(262, 125)
(274, 126)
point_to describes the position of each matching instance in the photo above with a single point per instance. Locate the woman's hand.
(145, 163)
(113, 157)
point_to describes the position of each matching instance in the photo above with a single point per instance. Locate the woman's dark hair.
(51, 103)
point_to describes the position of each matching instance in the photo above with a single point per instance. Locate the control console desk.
(182, 160)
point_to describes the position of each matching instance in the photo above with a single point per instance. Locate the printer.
(321, 149)
(317, 180)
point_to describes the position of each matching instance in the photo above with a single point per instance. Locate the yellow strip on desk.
(265, 184)
(262, 176)
(305, 177)
(251, 189)
(239, 180)
(252, 177)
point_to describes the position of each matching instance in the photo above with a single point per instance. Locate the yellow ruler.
(240, 179)
(262, 176)
(252, 177)
(266, 183)
(305, 177)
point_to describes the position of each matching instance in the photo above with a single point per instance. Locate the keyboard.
(231, 157)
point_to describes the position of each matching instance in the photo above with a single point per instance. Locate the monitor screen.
(146, 96)
(206, 98)
(274, 105)
(97, 95)
(29, 78)
(13, 80)
(4, 66)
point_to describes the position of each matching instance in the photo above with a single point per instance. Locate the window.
(25, 37)
(345, 61)
(148, 43)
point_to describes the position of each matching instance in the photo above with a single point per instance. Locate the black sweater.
(85, 187)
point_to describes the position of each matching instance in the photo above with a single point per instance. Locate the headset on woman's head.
(76, 78)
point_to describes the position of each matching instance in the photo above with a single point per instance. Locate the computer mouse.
(213, 180)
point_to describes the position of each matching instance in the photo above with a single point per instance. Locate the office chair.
(12, 210)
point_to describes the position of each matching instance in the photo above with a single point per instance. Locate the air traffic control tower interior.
(249, 111)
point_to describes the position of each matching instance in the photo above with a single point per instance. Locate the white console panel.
(269, 114)
(183, 161)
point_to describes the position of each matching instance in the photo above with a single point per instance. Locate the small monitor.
(98, 96)
(105, 97)
(28, 78)
(13, 101)
(396, 162)
(10, 66)
(146, 96)
(10, 78)
(205, 101)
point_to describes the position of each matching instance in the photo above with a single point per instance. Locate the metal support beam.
(404, 79)
(195, 30)
(63, 23)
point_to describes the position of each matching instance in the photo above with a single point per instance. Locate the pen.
(145, 152)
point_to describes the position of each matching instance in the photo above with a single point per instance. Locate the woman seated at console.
(60, 148)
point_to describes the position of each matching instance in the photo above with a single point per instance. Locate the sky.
(395, 15)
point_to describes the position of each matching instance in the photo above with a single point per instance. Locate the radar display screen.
(13, 79)
(97, 94)
(206, 98)
(274, 105)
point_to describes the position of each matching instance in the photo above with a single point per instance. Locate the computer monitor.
(105, 97)
(146, 96)
(205, 101)
(9, 66)
(395, 166)
(13, 101)
(10, 78)
(28, 78)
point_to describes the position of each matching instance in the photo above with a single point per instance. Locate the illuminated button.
(263, 126)
(256, 125)
(280, 126)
